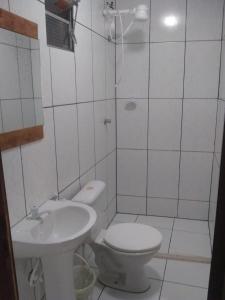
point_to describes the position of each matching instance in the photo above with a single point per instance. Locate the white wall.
(218, 142)
(166, 145)
(78, 94)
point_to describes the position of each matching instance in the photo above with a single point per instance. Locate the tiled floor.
(170, 280)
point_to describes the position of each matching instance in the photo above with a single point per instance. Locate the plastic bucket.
(84, 281)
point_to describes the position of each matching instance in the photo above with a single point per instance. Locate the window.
(59, 26)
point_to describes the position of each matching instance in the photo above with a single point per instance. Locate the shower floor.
(170, 279)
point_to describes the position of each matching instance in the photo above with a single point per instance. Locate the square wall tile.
(196, 210)
(101, 174)
(66, 144)
(124, 218)
(219, 129)
(12, 166)
(162, 207)
(202, 69)
(99, 66)
(133, 76)
(110, 70)
(222, 73)
(98, 20)
(195, 175)
(86, 136)
(84, 16)
(161, 13)
(28, 112)
(131, 172)
(9, 73)
(36, 62)
(39, 165)
(167, 70)
(89, 176)
(83, 52)
(132, 122)
(172, 291)
(198, 126)
(63, 76)
(111, 127)
(139, 32)
(12, 115)
(204, 19)
(131, 204)
(100, 130)
(164, 124)
(111, 175)
(25, 73)
(163, 174)
(215, 184)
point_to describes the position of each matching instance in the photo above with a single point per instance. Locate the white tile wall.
(163, 174)
(132, 123)
(202, 69)
(86, 136)
(195, 175)
(66, 134)
(204, 19)
(162, 207)
(165, 124)
(133, 76)
(83, 51)
(135, 205)
(131, 172)
(160, 12)
(99, 67)
(198, 128)
(166, 70)
(63, 76)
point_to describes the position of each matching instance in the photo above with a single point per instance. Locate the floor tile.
(191, 226)
(171, 291)
(166, 240)
(187, 243)
(153, 293)
(155, 268)
(124, 218)
(97, 290)
(158, 222)
(189, 273)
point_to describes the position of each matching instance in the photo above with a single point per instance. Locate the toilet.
(123, 250)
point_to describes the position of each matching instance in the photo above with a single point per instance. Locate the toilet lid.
(132, 237)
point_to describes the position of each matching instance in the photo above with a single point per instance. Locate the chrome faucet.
(36, 214)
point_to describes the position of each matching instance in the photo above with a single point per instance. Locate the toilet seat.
(132, 238)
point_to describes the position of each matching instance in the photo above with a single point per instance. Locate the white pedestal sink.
(54, 237)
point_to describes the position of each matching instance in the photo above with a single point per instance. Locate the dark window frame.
(65, 23)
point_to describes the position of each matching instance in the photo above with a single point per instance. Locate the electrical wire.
(122, 47)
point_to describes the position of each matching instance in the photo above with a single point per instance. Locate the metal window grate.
(58, 32)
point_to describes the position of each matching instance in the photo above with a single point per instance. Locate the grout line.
(182, 109)
(148, 116)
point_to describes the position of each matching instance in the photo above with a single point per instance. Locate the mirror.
(20, 82)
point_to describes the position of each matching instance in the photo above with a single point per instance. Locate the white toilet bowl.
(122, 252)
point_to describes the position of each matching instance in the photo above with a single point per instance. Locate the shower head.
(141, 13)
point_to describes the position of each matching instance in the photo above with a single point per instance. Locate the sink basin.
(63, 227)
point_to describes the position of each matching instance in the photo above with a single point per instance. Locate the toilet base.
(133, 282)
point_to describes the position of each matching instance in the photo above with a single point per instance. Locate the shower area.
(170, 91)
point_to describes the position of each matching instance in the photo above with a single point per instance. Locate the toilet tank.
(93, 194)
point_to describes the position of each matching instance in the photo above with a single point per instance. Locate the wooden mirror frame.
(12, 22)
